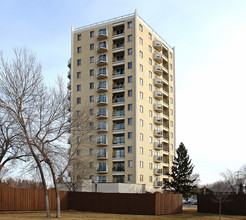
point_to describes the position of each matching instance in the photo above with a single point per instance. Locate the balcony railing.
(158, 94)
(102, 34)
(158, 82)
(158, 120)
(158, 184)
(158, 159)
(102, 142)
(157, 69)
(102, 114)
(102, 60)
(158, 107)
(102, 155)
(102, 47)
(157, 45)
(158, 171)
(102, 169)
(69, 85)
(158, 133)
(101, 127)
(69, 74)
(102, 101)
(157, 57)
(165, 69)
(158, 146)
(118, 169)
(102, 87)
(102, 73)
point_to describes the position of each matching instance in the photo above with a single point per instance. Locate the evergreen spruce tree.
(181, 171)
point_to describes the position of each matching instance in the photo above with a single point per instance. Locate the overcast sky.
(209, 37)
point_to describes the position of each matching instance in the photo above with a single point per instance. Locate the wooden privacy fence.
(234, 204)
(16, 199)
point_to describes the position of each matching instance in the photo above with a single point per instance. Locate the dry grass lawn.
(186, 214)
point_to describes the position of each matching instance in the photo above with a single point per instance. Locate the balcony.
(102, 127)
(157, 57)
(158, 184)
(118, 60)
(165, 69)
(166, 139)
(119, 157)
(118, 32)
(119, 115)
(102, 87)
(158, 146)
(102, 73)
(157, 94)
(158, 133)
(165, 92)
(165, 162)
(118, 101)
(103, 169)
(69, 96)
(165, 80)
(102, 155)
(119, 143)
(102, 142)
(158, 159)
(118, 170)
(102, 60)
(69, 107)
(158, 70)
(158, 172)
(164, 58)
(102, 114)
(69, 74)
(165, 150)
(69, 85)
(165, 103)
(158, 82)
(165, 127)
(69, 63)
(158, 120)
(102, 34)
(119, 129)
(102, 101)
(119, 87)
(165, 115)
(164, 48)
(157, 45)
(102, 47)
(158, 107)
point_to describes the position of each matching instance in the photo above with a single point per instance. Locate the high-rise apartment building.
(123, 72)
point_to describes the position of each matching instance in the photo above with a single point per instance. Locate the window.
(129, 38)
(91, 46)
(92, 72)
(91, 138)
(129, 65)
(141, 136)
(141, 81)
(141, 108)
(140, 27)
(91, 164)
(171, 112)
(78, 127)
(129, 93)
(78, 49)
(141, 54)
(150, 61)
(141, 150)
(91, 98)
(171, 55)
(150, 179)
(130, 163)
(171, 100)
(171, 134)
(91, 111)
(141, 164)
(171, 146)
(141, 41)
(78, 75)
(150, 113)
(129, 107)
(91, 33)
(150, 49)
(91, 59)
(171, 66)
(78, 113)
(79, 37)
(171, 89)
(79, 62)
(91, 177)
(129, 178)
(129, 135)
(78, 152)
(171, 123)
(141, 122)
(150, 74)
(150, 87)
(150, 166)
(78, 87)
(129, 79)
(150, 36)
(130, 121)
(141, 67)
(129, 24)
(129, 149)
(141, 95)
(79, 100)
(150, 139)
(150, 100)
(129, 51)
(141, 178)
(91, 125)
(150, 153)
(171, 78)
(150, 126)
(92, 85)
